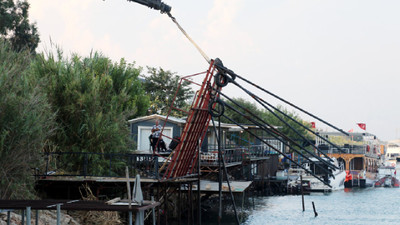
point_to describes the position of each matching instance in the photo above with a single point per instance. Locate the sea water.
(348, 206)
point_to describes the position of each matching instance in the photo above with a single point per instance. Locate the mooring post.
(302, 192)
(28, 215)
(58, 214)
(315, 212)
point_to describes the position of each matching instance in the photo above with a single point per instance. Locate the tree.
(251, 107)
(270, 118)
(26, 124)
(15, 26)
(93, 98)
(162, 85)
(285, 129)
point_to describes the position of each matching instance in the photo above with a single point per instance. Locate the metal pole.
(302, 193)
(153, 211)
(85, 166)
(58, 214)
(8, 217)
(37, 217)
(198, 187)
(219, 174)
(23, 217)
(28, 215)
(128, 187)
(130, 217)
(179, 202)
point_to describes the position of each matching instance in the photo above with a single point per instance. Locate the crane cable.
(190, 39)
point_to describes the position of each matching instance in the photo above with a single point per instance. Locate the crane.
(154, 4)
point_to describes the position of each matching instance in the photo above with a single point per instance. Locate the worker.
(156, 139)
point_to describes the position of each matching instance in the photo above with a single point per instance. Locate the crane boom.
(154, 4)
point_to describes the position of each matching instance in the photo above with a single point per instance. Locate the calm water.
(349, 206)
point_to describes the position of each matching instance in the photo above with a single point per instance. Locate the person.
(156, 140)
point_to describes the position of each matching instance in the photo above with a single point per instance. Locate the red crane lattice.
(184, 157)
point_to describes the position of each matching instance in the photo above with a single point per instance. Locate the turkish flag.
(312, 124)
(362, 126)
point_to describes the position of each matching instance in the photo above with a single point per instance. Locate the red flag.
(362, 126)
(312, 124)
(351, 130)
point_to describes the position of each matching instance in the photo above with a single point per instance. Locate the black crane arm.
(154, 4)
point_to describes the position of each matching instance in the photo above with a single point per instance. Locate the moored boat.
(387, 177)
(360, 154)
(392, 155)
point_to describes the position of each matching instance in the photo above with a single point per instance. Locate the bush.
(26, 122)
(93, 98)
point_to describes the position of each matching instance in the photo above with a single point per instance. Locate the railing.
(356, 149)
(99, 164)
(352, 149)
(236, 154)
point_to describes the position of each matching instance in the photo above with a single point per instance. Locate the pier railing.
(88, 164)
(236, 154)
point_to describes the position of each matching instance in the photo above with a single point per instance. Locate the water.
(349, 206)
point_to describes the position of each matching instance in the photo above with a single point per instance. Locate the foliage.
(93, 98)
(26, 122)
(161, 85)
(270, 118)
(291, 129)
(15, 26)
(248, 107)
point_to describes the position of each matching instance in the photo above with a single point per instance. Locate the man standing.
(156, 131)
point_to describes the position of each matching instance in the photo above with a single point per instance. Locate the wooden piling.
(315, 212)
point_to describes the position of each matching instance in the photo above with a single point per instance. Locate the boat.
(387, 177)
(336, 181)
(360, 153)
(392, 155)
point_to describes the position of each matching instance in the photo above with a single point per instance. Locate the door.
(143, 137)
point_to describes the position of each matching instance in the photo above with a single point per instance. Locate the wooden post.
(315, 212)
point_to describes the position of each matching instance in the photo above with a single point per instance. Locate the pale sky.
(338, 59)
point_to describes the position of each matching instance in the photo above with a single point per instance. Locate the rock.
(46, 217)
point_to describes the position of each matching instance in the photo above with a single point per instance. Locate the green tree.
(93, 98)
(15, 25)
(248, 107)
(26, 124)
(270, 118)
(161, 85)
(284, 128)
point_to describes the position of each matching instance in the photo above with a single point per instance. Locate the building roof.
(231, 127)
(157, 116)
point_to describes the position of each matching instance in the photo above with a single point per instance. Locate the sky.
(339, 60)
